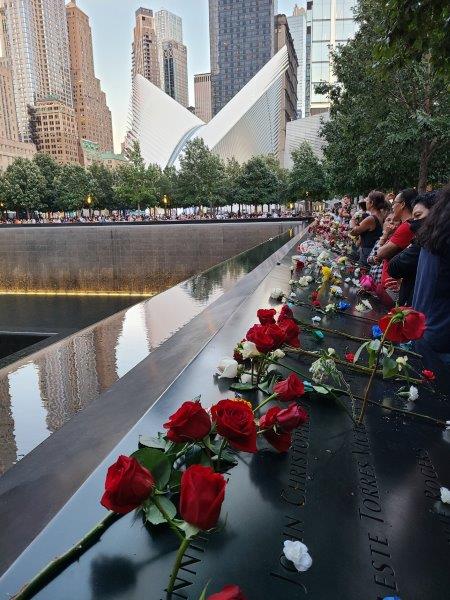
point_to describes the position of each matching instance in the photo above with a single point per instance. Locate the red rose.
(235, 422)
(190, 423)
(280, 440)
(428, 375)
(291, 332)
(316, 303)
(349, 357)
(285, 313)
(229, 592)
(314, 295)
(266, 337)
(237, 355)
(127, 485)
(407, 324)
(300, 265)
(202, 494)
(292, 417)
(266, 316)
(289, 389)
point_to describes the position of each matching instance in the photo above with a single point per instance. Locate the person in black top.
(371, 228)
(404, 265)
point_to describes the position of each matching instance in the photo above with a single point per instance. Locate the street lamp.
(89, 202)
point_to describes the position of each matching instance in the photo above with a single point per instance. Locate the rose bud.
(291, 332)
(280, 440)
(266, 316)
(349, 357)
(292, 417)
(428, 375)
(202, 495)
(407, 324)
(190, 423)
(289, 389)
(235, 422)
(285, 313)
(229, 592)
(128, 484)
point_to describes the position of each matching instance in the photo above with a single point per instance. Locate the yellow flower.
(326, 272)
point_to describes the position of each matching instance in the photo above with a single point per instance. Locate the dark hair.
(377, 199)
(433, 234)
(408, 196)
(428, 199)
(362, 205)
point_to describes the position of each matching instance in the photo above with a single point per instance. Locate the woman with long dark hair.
(371, 228)
(432, 288)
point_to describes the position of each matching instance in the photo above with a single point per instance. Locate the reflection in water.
(37, 397)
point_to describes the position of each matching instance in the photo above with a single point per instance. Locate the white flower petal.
(298, 554)
(413, 393)
(277, 294)
(249, 350)
(227, 368)
(445, 495)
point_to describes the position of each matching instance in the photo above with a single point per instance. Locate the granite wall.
(141, 259)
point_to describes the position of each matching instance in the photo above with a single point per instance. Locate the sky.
(112, 23)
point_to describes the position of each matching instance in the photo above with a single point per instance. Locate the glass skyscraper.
(242, 42)
(297, 26)
(329, 23)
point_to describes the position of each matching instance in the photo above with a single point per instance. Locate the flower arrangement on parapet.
(177, 479)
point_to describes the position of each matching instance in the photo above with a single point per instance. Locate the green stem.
(173, 577)
(269, 399)
(56, 566)
(374, 370)
(172, 525)
(221, 449)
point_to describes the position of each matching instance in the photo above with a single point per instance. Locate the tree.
(49, 169)
(138, 186)
(232, 190)
(390, 118)
(201, 176)
(415, 28)
(23, 186)
(258, 182)
(73, 186)
(101, 185)
(307, 178)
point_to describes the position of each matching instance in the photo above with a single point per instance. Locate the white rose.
(348, 279)
(292, 282)
(249, 350)
(360, 307)
(445, 495)
(293, 295)
(277, 294)
(401, 362)
(298, 554)
(227, 368)
(367, 304)
(329, 307)
(336, 290)
(246, 378)
(413, 393)
(277, 354)
(316, 319)
(356, 282)
(331, 351)
(357, 272)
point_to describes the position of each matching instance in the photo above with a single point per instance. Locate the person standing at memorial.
(402, 209)
(432, 287)
(371, 228)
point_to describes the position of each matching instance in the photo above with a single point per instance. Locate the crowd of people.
(404, 243)
(148, 216)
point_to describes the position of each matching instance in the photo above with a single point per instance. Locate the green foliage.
(307, 179)
(201, 176)
(138, 186)
(50, 169)
(73, 186)
(390, 117)
(23, 186)
(258, 182)
(102, 182)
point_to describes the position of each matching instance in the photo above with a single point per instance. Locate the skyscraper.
(241, 43)
(38, 40)
(92, 113)
(8, 115)
(145, 55)
(283, 37)
(297, 27)
(175, 71)
(202, 90)
(168, 26)
(54, 130)
(330, 23)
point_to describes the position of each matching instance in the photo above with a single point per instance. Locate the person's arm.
(387, 251)
(405, 263)
(367, 225)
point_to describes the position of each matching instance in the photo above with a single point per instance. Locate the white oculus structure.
(249, 125)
